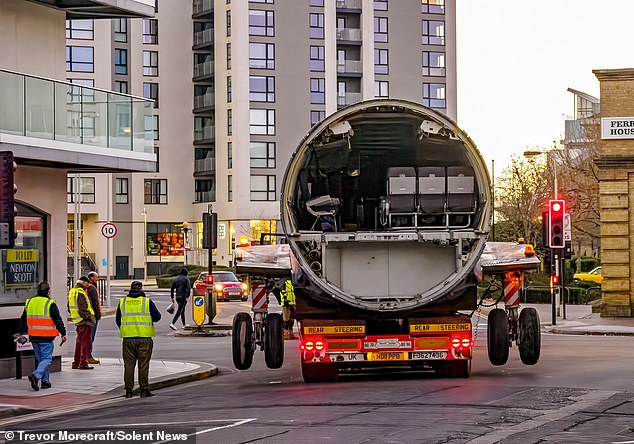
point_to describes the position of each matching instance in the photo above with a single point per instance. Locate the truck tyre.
(242, 341)
(273, 341)
(498, 337)
(319, 372)
(530, 339)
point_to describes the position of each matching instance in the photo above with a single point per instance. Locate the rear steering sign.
(198, 309)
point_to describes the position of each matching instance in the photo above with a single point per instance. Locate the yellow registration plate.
(387, 356)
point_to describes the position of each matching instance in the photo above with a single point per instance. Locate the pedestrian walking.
(42, 321)
(95, 303)
(181, 288)
(83, 316)
(288, 309)
(136, 315)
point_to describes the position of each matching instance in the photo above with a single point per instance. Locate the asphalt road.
(580, 391)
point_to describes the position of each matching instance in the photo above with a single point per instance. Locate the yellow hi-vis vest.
(136, 320)
(288, 294)
(38, 318)
(72, 304)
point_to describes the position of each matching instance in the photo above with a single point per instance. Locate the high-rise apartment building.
(237, 84)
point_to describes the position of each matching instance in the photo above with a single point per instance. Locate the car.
(591, 276)
(226, 286)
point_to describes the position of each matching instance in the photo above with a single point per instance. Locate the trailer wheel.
(273, 341)
(498, 337)
(530, 339)
(319, 372)
(242, 341)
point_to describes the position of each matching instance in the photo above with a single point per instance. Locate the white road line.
(235, 424)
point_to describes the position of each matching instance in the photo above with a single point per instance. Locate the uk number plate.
(386, 356)
(428, 354)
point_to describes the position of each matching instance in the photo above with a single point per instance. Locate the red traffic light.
(556, 210)
(556, 206)
(554, 280)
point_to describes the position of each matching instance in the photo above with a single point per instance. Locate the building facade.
(237, 85)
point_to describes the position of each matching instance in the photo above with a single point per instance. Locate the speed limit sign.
(109, 230)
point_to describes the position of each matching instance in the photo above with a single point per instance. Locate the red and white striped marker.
(258, 298)
(511, 290)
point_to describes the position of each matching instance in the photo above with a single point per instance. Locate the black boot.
(128, 394)
(146, 394)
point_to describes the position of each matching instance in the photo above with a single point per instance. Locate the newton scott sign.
(617, 128)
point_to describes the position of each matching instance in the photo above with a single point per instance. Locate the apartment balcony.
(203, 39)
(205, 134)
(202, 8)
(348, 99)
(102, 9)
(54, 123)
(351, 68)
(349, 5)
(205, 196)
(205, 102)
(205, 167)
(349, 36)
(203, 71)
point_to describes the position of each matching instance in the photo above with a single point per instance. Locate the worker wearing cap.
(83, 316)
(136, 315)
(42, 321)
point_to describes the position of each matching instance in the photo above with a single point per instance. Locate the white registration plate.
(346, 357)
(428, 354)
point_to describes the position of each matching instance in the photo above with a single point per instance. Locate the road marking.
(237, 423)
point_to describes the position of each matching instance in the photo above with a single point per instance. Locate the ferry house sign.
(617, 128)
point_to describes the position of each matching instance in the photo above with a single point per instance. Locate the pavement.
(106, 381)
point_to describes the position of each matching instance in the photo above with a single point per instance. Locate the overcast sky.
(516, 60)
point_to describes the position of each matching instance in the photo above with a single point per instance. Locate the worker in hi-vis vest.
(288, 309)
(136, 315)
(83, 316)
(42, 321)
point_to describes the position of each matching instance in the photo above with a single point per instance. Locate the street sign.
(109, 230)
(567, 228)
(198, 309)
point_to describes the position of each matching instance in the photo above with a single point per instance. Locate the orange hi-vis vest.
(38, 317)
(98, 296)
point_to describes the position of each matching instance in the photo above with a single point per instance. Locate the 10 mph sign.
(109, 230)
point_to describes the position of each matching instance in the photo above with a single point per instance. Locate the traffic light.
(8, 210)
(210, 230)
(556, 211)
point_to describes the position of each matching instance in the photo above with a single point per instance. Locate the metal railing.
(42, 108)
(207, 165)
(205, 196)
(201, 6)
(204, 69)
(348, 99)
(204, 133)
(350, 66)
(204, 37)
(349, 34)
(573, 294)
(204, 101)
(349, 4)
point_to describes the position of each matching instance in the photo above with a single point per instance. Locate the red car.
(225, 284)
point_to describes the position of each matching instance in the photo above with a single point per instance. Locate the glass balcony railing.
(348, 99)
(205, 196)
(205, 37)
(349, 34)
(204, 133)
(349, 4)
(49, 109)
(204, 69)
(205, 166)
(204, 101)
(350, 66)
(203, 6)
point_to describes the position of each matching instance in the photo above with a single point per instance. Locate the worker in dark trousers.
(95, 303)
(288, 309)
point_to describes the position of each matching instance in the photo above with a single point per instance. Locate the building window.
(316, 22)
(86, 189)
(229, 122)
(262, 188)
(433, 64)
(121, 86)
(204, 129)
(80, 29)
(79, 59)
(120, 27)
(433, 32)
(381, 61)
(151, 91)
(155, 126)
(229, 189)
(150, 63)
(318, 91)
(120, 61)
(434, 95)
(317, 58)
(380, 29)
(381, 89)
(262, 55)
(155, 191)
(150, 31)
(121, 190)
(164, 239)
(262, 121)
(78, 94)
(228, 55)
(157, 153)
(317, 116)
(228, 23)
(229, 155)
(261, 23)
(380, 5)
(229, 91)
(205, 190)
(319, 3)
(433, 6)
(262, 154)
(262, 88)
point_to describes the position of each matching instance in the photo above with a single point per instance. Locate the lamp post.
(144, 212)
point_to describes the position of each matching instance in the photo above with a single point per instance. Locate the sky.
(516, 60)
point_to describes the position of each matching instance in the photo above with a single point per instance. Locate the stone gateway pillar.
(616, 189)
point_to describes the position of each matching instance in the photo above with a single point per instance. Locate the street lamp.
(144, 212)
